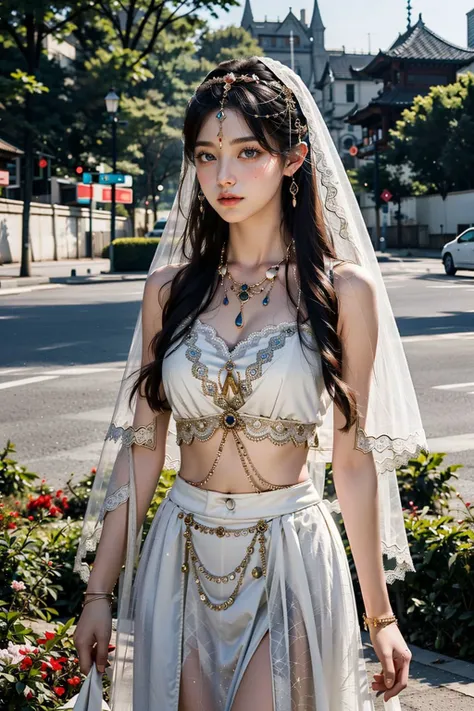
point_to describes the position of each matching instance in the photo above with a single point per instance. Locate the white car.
(459, 253)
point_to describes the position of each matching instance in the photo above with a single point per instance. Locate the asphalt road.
(63, 350)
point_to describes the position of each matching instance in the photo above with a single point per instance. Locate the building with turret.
(328, 74)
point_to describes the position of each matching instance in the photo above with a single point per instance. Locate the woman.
(242, 596)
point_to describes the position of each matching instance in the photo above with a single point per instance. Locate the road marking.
(452, 443)
(24, 289)
(451, 386)
(439, 336)
(78, 370)
(26, 381)
(450, 286)
(61, 345)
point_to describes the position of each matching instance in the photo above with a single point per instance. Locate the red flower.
(31, 518)
(17, 503)
(74, 681)
(59, 690)
(59, 492)
(11, 525)
(44, 674)
(29, 695)
(94, 470)
(468, 503)
(55, 664)
(62, 659)
(26, 663)
(44, 665)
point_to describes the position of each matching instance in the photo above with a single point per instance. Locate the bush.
(132, 254)
(39, 533)
(434, 604)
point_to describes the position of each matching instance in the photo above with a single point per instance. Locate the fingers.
(101, 654)
(85, 654)
(401, 671)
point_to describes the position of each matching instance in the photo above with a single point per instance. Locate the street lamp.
(112, 104)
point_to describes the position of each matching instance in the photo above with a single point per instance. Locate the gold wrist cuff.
(378, 621)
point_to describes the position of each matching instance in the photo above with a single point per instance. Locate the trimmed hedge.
(132, 254)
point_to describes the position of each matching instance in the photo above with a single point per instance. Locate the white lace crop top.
(269, 385)
(266, 379)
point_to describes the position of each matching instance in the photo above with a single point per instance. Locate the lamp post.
(112, 103)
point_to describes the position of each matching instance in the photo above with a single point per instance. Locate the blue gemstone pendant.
(239, 320)
(226, 300)
(265, 301)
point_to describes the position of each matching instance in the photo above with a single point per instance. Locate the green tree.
(115, 41)
(436, 138)
(25, 25)
(219, 45)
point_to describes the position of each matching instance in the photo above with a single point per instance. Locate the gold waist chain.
(231, 423)
(238, 573)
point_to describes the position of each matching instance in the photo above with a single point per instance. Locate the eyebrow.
(242, 139)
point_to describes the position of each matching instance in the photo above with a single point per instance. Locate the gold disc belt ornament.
(238, 573)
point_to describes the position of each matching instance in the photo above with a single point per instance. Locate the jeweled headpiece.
(230, 79)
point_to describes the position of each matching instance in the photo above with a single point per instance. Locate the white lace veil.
(393, 429)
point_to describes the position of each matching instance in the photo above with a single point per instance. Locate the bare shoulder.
(356, 294)
(159, 278)
(352, 279)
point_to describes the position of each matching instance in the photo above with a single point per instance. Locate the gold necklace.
(245, 291)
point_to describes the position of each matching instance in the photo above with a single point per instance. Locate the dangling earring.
(293, 189)
(201, 200)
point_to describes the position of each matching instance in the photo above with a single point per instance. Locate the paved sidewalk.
(92, 271)
(65, 271)
(436, 682)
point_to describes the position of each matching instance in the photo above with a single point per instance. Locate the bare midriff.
(280, 465)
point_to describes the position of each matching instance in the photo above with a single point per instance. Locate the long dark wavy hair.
(194, 285)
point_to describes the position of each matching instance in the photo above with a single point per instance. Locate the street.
(64, 349)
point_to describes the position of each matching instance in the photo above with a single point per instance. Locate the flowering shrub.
(41, 672)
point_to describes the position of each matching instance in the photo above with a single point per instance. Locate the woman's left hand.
(394, 656)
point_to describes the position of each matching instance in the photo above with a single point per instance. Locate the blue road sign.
(87, 178)
(111, 178)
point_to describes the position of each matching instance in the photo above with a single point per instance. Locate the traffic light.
(42, 163)
(79, 170)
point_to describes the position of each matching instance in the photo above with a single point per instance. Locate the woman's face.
(241, 167)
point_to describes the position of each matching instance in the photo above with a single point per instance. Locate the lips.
(230, 200)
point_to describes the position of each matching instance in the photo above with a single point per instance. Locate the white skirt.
(284, 553)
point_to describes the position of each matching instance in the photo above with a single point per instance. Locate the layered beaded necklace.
(245, 291)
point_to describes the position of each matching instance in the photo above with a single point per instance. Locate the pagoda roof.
(9, 149)
(419, 44)
(343, 66)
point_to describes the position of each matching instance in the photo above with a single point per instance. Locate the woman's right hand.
(93, 628)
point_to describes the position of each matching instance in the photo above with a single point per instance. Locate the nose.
(224, 174)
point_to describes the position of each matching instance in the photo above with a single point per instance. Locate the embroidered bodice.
(269, 380)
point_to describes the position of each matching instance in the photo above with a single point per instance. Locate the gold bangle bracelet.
(101, 597)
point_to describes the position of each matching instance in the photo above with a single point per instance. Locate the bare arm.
(355, 476)
(148, 463)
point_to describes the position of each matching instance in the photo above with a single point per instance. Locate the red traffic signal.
(42, 162)
(79, 170)
(353, 150)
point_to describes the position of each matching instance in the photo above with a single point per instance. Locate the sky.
(350, 22)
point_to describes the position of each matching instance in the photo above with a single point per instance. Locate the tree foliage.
(435, 137)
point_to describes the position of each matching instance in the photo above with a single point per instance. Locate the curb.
(24, 282)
